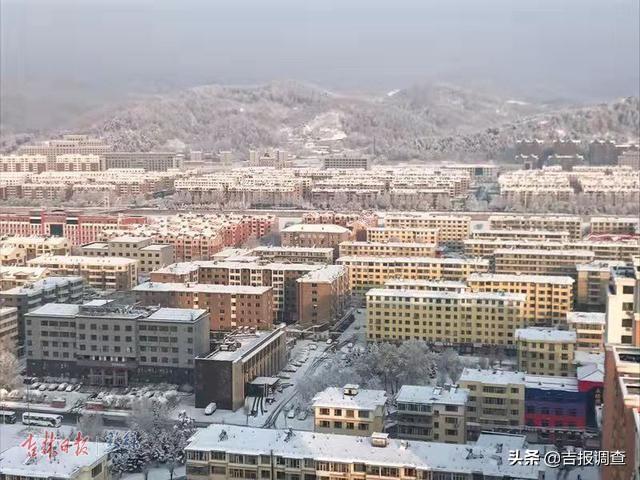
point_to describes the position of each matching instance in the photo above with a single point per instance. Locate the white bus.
(44, 419)
(7, 416)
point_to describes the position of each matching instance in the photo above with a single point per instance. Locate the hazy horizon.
(62, 57)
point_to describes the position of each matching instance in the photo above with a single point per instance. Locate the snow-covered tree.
(9, 366)
(91, 425)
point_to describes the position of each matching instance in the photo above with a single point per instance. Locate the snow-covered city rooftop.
(429, 456)
(364, 399)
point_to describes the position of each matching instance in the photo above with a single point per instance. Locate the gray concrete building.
(106, 344)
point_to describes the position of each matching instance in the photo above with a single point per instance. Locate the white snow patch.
(393, 92)
(325, 127)
(517, 102)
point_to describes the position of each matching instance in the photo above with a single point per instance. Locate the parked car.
(292, 413)
(69, 388)
(53, 386)
(62, 387)
(303, 414)
(313, 346)
(35, 385)
(210, 409)
(329, 341)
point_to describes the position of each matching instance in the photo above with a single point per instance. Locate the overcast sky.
(577, 49)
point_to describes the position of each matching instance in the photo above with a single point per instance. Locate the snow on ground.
(14, 434)
(325, 127)
(393, 92)
(157, 473)
(517, 102)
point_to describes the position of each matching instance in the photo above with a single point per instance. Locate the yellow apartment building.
(452, 228)
(466, 319)
(557, 223)
(546, 351)
(496, 399)
(589, 328)
(403, 235)
(540, 262)
(367, 272)
(388, 249)
(549, 298)
(349, 410)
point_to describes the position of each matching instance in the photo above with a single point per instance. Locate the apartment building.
(149, 161)
(603, 250)
(453, 229)
(248, 271)
(556, 223)
(151, 256)
(629, 159)
(432, 414)
(621, 417)
(113, 345)
(433, 285)
(468, 319)
(34, 246)
(388, 249)
(548, 298)
(620, 306)
(200, 236)
(222, 452)
(410, 235)
(11, 276)
(517, 235)
(93, 464)
(349, 410)
(540, 262)
(229, 306)
(592, 285)
(9, 328)
(23, 163)
(314, 235)
(269, 158)
(68, 144)
(33, 295)
(619, 225)
(78, 229)
(12, 256)
(345, 162)
(224, 375)
(323, 296)
(367, 272)
(105, 273)
(320, 255)
(556, 408)
(589, 328)
(546, 351)
(496, 399)
(74, 162)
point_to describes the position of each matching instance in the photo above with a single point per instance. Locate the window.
(97, 470)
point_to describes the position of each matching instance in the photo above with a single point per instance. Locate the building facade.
(432, 414)
(104, 273)
(467, 319)
(113, 345)
(349, 410)
(224, 375)
(546, 351)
